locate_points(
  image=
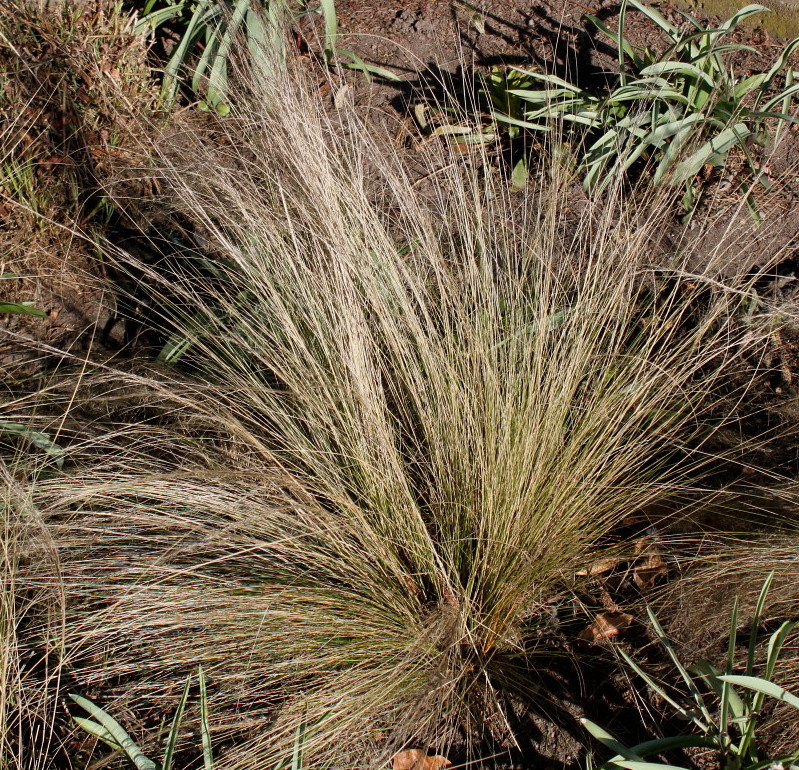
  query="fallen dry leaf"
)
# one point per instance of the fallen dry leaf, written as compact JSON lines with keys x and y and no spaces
{"x":600,"y":566}
{"x":416,"y":759}
{"x":648,"y":569}
{"x":607,"y":625}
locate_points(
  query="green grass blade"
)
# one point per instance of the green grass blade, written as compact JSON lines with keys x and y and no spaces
{"x":621,"y":42}
{"x":787,"y":95}
{"x":662,"y":693}
{"x":686,"y":677}
{"x":730,"y":24}
{"x":726,"y":690}
{"x":205,"y":726}
{"x":755,"y":624}
{"x":172,"y":738}
{"x":657,"y":18}
{"x":710,"y":674}
{"x":775,"y":644}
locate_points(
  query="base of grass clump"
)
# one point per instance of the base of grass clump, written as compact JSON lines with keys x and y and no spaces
{"x":397,"y":428}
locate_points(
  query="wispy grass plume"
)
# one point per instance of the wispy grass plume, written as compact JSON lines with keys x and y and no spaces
{"x":412,"y":407}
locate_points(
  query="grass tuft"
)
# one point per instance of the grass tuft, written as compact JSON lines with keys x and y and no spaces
{"x":408,"y":411}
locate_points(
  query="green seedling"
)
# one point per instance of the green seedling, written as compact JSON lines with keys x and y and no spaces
{"x":36,"y":438}
{"x":211,"y":29}
{"x":678,"y":111}
{"x":107,"y":730}
{"x":724,"y":719}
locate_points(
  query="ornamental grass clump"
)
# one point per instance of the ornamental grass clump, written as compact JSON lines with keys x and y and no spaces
{"x":407,"y":411}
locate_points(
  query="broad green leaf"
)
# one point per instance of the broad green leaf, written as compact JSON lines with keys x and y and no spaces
{"x":552,"y":79}
{"x":174,"y":349}
{"x":762,"y":686}
{"x":519,"y":174}
{"x":678,"y":68}
{"x":21,"y":308}
{"x":521,"y":123}
{"x":620,"y":37}
{"x":749,"y":84}
{"x":262,"y":45}
{"x":203,"y":10}
{"x":718,"y":146}
{"x":39,"y":439}
{"x":328,"y":9}
{"x":98,"y":731}
{"x":633,"y":765}
{"x":117,"y":733}
{"x":543,"y":95}
{"x":673,"y":152}
{"x":155,"y":19}
{"x":660,"y":745}
{"x":710,"y":674}
{"x":609,"y":740}
{"x":217,"y":80}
